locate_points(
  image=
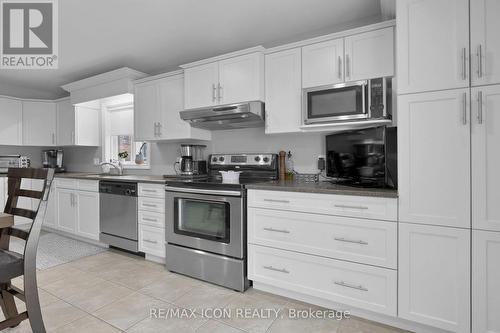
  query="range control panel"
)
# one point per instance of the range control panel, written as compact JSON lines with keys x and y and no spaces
{"x":242,"y":159}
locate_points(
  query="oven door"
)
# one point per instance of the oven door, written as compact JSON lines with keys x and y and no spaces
{"x":340,"y":102}
{"x":212,"y":223}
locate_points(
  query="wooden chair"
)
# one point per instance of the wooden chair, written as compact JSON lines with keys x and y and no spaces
{"x":12,"y":264}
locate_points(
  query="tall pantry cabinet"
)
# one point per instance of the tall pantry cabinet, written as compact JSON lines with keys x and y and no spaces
{"x":449,"y":154}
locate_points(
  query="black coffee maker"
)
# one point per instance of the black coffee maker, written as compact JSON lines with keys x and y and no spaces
{"x":53,"y":158}
{"x":192,"y":160}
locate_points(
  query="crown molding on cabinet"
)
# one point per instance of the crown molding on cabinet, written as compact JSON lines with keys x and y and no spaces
{"x":255,"y":49}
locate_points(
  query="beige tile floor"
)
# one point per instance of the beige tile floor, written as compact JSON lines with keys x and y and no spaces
{"x":114,"y":292}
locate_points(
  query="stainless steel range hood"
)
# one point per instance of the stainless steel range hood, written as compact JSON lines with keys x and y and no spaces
{"x":230,"y":116}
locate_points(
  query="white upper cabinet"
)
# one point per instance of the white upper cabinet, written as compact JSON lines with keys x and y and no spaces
{"x":147,"y":111}
{"x":434,"y":276}
{"x":434,"y":158}
{"x":485,"y":282}
{"x":486,"y":158}
{"x":226,"y":80}
{"x":39,"y":123}
{"x":433,"y":45}
{"x":156,"y":111}
{"x":77,"y":125}
{"x":201,"y":86}
{"x":65,"y":123}
{"x":369,"y":55}
{"x":322,"y":63}
{"x":11,"y":124}
{"x":241,"y":79}
{"x":283,"y":91}
{"x":485,"y":44}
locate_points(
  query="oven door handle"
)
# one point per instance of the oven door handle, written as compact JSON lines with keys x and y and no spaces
{"x":203,"y":191}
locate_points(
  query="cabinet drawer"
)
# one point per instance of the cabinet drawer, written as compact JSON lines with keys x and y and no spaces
{"x":151,"y":190}
{"x":88,"y":185}
{"x":152,"y":240}
{"x":152,"y":219}
{"x":151,"y":204}
{"x":331,"y":204}
{"x":67,"y":183}
{"x":365,"y":287}
{"x":359,"y":240}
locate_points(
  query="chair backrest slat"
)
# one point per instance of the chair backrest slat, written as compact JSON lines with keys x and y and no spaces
{"x":29,"y":194}
{"x":22,"y":212}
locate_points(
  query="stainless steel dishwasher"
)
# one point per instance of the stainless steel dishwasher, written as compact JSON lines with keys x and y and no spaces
{"x":118,"y":214}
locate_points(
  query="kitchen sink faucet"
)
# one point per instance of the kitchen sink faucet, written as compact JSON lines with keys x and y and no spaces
{"x":117,"y":165}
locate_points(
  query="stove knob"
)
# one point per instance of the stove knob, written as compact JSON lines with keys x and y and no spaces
{"x":266,"y":159}
{"x":257,"y":158}
{"x":221,"y":159}
{"x":214,"y":159}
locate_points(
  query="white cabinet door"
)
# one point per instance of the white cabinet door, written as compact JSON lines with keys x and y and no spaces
{"x":283,"y":92}
{"x":200,"y":85}
{"x":434,"y":158}
{"x":87,"y":211}
{"x":50,"y":214}
{"x":323,"y":63}
{"x":172,"y":127}
{"x":369,"y":55}
{"x":3,"y":193}
{"x":39,"y":123}
{"x":434,"y":276}
{"x":87,"y":127}
{"x":485,"y":282}
{"x":147,"y":111}
{"x":485,"y":44}
{"x":65,"y":123}
{"x":486,"y":158}
{"x":11,"y":126}
{"x":432,"y":44}
{"x":66,"y":210}
{"x":241,"y":79}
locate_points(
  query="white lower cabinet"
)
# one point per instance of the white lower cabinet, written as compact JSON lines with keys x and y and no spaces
{"x":3,"y":193}
{"x":359,"y":240}
{"x":485,"y":282}
{"x":77,"y":208}
{"x":362,"y":286}
{"x":151,"y":217}
{"x":434,"y":276}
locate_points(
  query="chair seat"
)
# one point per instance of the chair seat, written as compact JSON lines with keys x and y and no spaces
{"x":11,"y":265}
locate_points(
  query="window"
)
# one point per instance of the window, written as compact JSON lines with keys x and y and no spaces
{"x":119,"y":136}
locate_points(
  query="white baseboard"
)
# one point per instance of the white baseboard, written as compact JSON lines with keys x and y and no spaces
{"x":380,"y":318}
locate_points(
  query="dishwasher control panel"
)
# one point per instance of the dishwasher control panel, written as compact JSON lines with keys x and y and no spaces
{"x":118,"y":188}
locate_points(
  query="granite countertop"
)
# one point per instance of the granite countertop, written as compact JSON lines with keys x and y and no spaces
{"x":323,"y":187}
{"x":156,"y":179}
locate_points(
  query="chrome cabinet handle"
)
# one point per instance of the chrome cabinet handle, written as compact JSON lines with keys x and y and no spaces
{"x":347,"y":64}
{"x":159,"y":129}
{"x":150,"y":191}
{"x":464,"y":64}
{"x":150,"y":220}
{"x":155,"y":129}
{"x":340,"y":67}
{"x":149,"y":205}
{"x":283,"y":231}
{"x":279,"y":201}
{"x":352,"y":286}
{"x":479,"y":107}
{"x":281,"y":270}
{"x":341,"y":239}
{"x":73,"y":137}
{"x":219,"y":91}
{"x":53,"y":138}
{"x":150,"y":241}
{"x":464,"y":108}
{"x":214,"y":93}
{"x":351,"y":207}
{"x":480,"y":61}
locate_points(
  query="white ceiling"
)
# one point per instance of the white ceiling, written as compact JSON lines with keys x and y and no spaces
{"x":155,"y":36}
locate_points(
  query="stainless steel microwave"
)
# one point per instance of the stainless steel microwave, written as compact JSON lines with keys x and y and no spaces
{"x":360,"y":100}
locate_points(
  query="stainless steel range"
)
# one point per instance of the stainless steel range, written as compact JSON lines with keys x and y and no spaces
{"x":206,"y":219}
